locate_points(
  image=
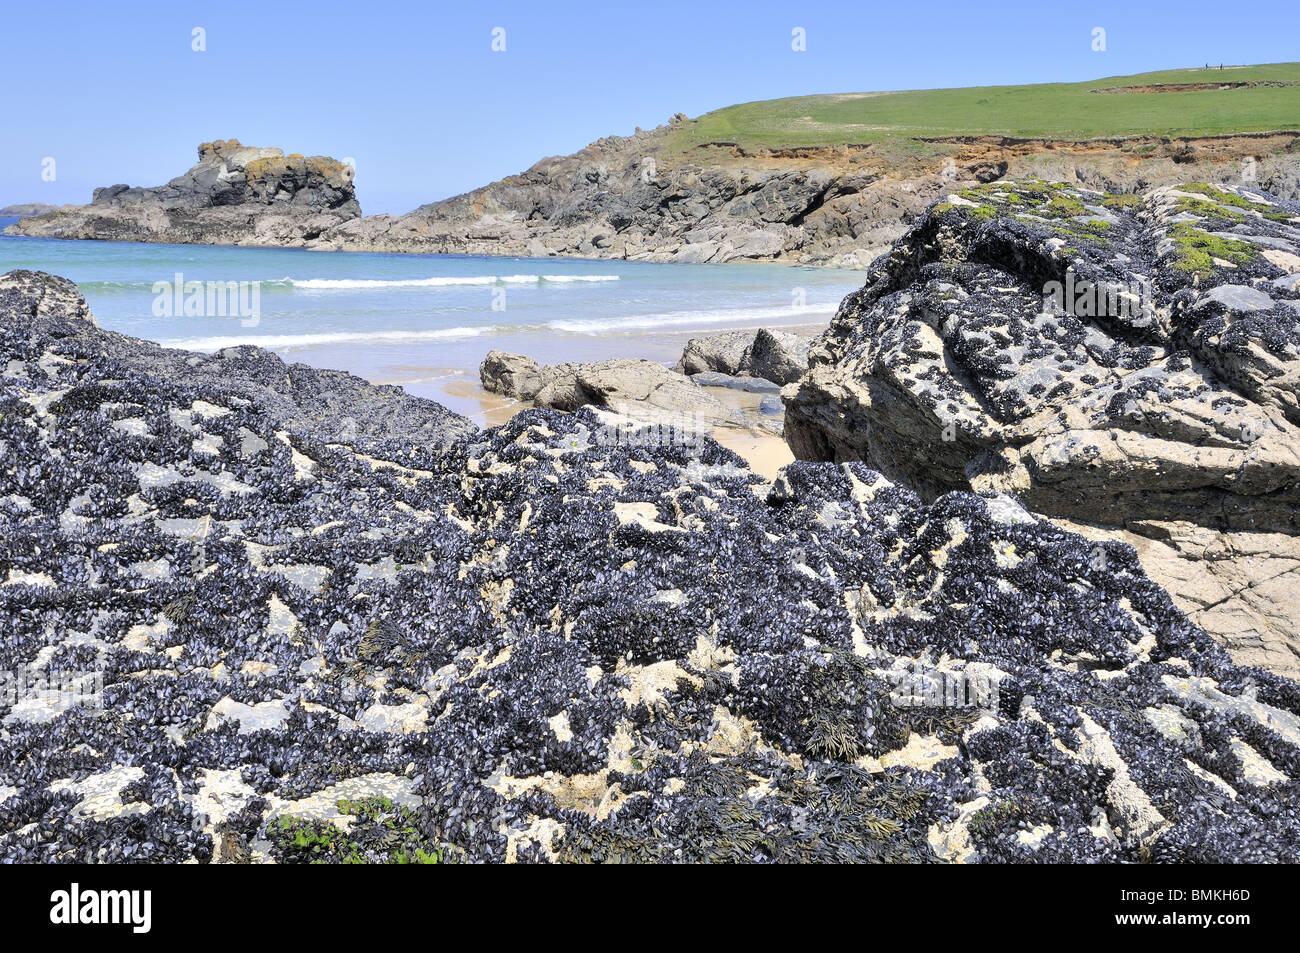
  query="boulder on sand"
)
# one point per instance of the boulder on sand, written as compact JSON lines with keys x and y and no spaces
{"x":773,"y":355}
{"x":635,"y":388}
{"x":513,"y":375}
{"x":777,"y":356}
{"x":721,"y":353}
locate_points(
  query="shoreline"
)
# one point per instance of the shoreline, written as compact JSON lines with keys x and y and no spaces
{"x":578,"y":323}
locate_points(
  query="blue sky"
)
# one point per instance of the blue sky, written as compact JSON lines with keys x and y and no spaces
{"x":414,"y":93}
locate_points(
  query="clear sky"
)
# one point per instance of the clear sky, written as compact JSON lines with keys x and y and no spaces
{"x":114,"y":92}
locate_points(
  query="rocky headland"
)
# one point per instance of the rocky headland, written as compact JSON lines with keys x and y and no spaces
{"x":643,"y":197}
{"x":234,"y":195}
{"x":634,"y":197}
{"x":291,"y":616}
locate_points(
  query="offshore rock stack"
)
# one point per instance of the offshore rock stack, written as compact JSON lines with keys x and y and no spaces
{"x":234,"y":195}
{"x":543,"y":642}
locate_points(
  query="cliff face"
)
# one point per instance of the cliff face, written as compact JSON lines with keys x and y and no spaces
{"x":623,"y":198}
{"x":564,"y":639}
{"x":636,"y":197}
{"x":1128,"y":363}
{"x":631,"y":197}
{"x":234,"y":194}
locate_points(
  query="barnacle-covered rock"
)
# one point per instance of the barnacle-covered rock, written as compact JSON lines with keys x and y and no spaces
{"x":234,"y":635}
{"x":1127,"y":362}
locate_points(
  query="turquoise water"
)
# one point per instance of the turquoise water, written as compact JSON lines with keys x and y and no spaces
{"x":425,"y":320}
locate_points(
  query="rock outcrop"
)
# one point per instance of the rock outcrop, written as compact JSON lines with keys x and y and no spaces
{"x":770,"y":354}
{"x":558,"y":640}
{"x":634,"y":197}
{"x":753,"y":385}
{"x":234,"y":195}
{"x":635,"y":388}
{"x":721,"y":353}
{"x":778,"y":356}
{"x":1128,"y":363}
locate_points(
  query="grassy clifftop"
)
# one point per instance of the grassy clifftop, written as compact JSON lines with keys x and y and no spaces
{"x":1189,"y":102}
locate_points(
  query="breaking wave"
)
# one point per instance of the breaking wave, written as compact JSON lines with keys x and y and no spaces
{"x":446,"y":281}
{"x":277,"y":342}
{"x":740,"y":317}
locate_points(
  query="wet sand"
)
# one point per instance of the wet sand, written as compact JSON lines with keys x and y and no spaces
{"x":766,"y":454}
{"x":465,"y":395}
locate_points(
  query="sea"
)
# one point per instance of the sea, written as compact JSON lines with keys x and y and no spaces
{"x":424,"y":322}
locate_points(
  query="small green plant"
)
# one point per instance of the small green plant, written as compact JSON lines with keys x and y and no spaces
{"x":1063,"y":206}
{"x":1204,"y":209}
{"x":1221,"y":196}
{"x":978,"y":213}
{"x":1195,"y":250}
{"x":1094,"y":231}
{"x":1121,"y":202}
{"x":380,"y":833}
{"x":1234,"y":202}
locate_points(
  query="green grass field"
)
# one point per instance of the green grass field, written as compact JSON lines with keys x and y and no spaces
{"x":1054,"y":110}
